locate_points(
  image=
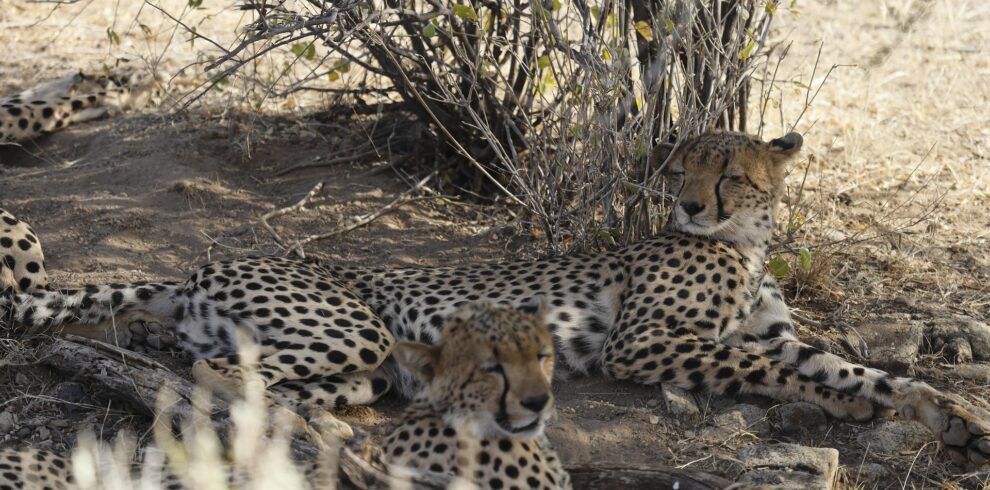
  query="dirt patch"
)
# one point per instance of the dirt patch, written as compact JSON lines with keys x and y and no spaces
{"x":898,"y":176}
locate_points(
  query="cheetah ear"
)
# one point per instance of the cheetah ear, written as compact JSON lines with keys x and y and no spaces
{"x":785,"y":147}
{"x":417,"y":357}
{"x":661,"y":153}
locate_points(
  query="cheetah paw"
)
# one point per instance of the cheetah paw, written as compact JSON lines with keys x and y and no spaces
{"x":229,"y":386}
{"x":961,"y":428}
{"x":967,"y":437}
{"x":331,"y":427}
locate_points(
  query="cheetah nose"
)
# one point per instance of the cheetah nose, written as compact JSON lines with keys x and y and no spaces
{"x":692,"y":208}
{"x":536,"y":402}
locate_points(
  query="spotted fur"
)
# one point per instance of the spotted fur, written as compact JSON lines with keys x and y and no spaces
{"x":693,"y":307}
{"x":485,"y":400}
{"x":77,"y":98}
{"x":22,"y":263}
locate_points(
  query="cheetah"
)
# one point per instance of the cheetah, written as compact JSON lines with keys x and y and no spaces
{"x":693,"y":307}
{"x":22,"y":262}
{"x":485,"y":400}
{"x":76,"y":98}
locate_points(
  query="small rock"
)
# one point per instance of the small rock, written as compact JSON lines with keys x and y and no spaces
{"x":942,"y":333}
{"x":70,"y":392}
{"x":893,"y":344}
{"x":975,"y":372}
{"x":21,"y":379}
{"x":7,"y":422}
{"x":652,"y":403}
{"x":893,"y":436}
{"x":735,"y":421}
{"x":958,"y":350}
{"x":800,"y":417}
{"x":788,"y":466}
{"x":654,"y":420}
{"x":680,"y":402}
{"x":23,"y":432}
{"x":44,"y":433}
{"x":753,"y":418}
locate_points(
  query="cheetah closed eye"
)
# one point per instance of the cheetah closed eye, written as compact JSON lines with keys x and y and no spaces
{"x":693,"y":307}
{"x":486,"y":397}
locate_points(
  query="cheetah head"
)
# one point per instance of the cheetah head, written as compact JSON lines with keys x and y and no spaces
{"x":490,"y":374}
{"x":727,"y":185}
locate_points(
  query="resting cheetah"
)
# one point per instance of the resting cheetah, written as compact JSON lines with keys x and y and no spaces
{"x":692,"y":307}
{"x":22,"y":263}
{"x":76,"y":98}
{"x":486,"y":398}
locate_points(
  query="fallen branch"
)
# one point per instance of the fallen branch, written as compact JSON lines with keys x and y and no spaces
{"x":269,"y":215}
{"x":290,"y":209}
{"x":327,"y":163}
{"x":594,"y":477}
{"x":364,"y":219}
{"x":138,"y":379}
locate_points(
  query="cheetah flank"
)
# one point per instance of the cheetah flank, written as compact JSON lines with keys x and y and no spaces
{"x":22,"y":263}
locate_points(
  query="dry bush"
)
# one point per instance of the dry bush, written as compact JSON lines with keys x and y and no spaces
{"x":550,"y":107}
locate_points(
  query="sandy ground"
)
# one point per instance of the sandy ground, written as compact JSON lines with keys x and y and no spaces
{"x":897,"y":172}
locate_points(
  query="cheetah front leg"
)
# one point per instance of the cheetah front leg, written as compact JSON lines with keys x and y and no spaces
{"x":679,"y":357}
{"x":961,"y":428}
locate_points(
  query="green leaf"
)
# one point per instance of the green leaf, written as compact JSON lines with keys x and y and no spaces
{"x":748,"y":50}
{"x":543,"y":61}
{"x":465,"y":12}
{"x":605,"y":235}
{"x":114,"y":38}
{"x":796,"y":222}
{"x":429,"y":30}
{"x":195,"y":3}
{"x":771,"y":7}
{"x":779,"y":267}
{"x":644,"y":30}
{"x":304,"y":50}
{"x":805,"y":255}
{"x":333,"y":76}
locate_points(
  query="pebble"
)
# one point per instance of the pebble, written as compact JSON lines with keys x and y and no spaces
{"x":801,"y":417}
{"x":894,"y":436}
{"x":7,"y":422}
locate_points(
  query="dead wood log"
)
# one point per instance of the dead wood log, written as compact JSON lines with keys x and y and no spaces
{"x":138,"y":379}
{"x":605,"y":477}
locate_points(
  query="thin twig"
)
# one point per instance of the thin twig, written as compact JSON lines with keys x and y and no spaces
{"x":364,"y":219}
{"x":289,"y":209}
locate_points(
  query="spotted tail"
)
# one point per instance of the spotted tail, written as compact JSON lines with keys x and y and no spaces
{"x":86,"y":305}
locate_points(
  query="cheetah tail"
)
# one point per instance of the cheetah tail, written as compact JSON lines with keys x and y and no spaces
{"x":86,"y":305}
